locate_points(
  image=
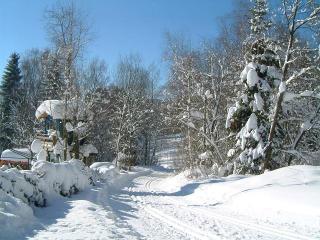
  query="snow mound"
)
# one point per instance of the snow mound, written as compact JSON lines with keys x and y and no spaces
{"x":65,"y":178}
{"x":104,"y":170}
{"x":45,"y":181}
{"x":15,"y":215}
{"x":293,"y":191}
{"x":23,"y":185}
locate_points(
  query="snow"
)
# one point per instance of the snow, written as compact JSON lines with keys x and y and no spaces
{"x":231,"y":152}
{"x":105,"y":170}
{"x":275,"y":194}
{"x":19,"y":154}
{"x":252,"y":78}
{"x":42,"y":155}
{"x":57,"y":109}
{"x":36,"y":146}
{"x":190,"y":124}
{"x":244,"y":73}
{"x":15,"y":217}
{"x":205,"y":156}
{"x":45,"y":181}
{"x":208,"y":94}
{"x":251,"y":123}
{"x":289,"y":96}
{"x":87,"y":149}
{"x":282,"y":87}
{"x":196,"y":114}
{"x":24,"y":185}
{"x":64,"y":178}
{"x":258,"y":102}
{"x":306,"y":125}
{"x":231,"y":111}
{"x":156,"y":204}
{"x":54,"y":108}
{"x":69,"y":127}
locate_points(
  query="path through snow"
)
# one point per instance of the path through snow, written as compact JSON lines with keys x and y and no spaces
{"x":146,"y":204}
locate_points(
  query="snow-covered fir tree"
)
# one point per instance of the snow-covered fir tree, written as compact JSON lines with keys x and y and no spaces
{"x":250,"y":115}
{"x":9,"y":93}
{"x":259,"y":23}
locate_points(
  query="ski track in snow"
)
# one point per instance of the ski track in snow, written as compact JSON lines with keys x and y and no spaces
{"x":225,"y":227}
{"x":141,"y":211}
{"x":138,"y":208}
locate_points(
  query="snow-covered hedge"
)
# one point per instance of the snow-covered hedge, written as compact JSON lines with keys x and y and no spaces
{"x":64,"y":178}
{"x":23,"y":185}
{"x":14,"y":216}
{"x":46,"y":180}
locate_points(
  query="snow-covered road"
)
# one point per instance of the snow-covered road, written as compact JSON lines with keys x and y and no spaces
{"x":157,"y":204}
{"x":184,"y":220}
{"x":138,"y":208}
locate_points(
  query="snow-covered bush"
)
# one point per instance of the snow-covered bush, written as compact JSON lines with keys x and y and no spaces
{"x":14,"y":214}
{"x":45,"y":181}
{"x":64,"y":178}
{"x":104,"y":170}
{"x":23,"y":185}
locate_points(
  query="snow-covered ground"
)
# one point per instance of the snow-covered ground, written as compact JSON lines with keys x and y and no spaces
{"x":156,"y":203}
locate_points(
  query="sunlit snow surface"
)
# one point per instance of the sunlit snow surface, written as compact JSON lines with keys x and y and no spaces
{"x":157,"y":203}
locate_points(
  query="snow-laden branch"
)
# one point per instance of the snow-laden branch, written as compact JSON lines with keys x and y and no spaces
{"x":299,"y":74}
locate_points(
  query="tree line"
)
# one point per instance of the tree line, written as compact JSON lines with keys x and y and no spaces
{"x":244,"y":102}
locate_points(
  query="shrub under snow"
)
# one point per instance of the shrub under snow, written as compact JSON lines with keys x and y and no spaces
{"x":14,"y":214}
{"x":64,"y":178}
{"x":45,"y":181}
{"x":23,"y":185}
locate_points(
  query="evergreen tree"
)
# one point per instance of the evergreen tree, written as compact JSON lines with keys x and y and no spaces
{"x":9,"y":94}
{"x":250,"y":115}
{"x":259,"y":22}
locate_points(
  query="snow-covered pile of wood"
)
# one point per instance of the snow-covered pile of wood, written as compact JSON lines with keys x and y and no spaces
{"x":45,"y":181}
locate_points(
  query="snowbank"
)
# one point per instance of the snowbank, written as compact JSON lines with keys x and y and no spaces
{"x":15,"y":216}
{"x":64,"y":178}
{"x":291,"y":191}
{"x":115,"y":178}
{"x":23,"y":185}
{"x":45,"y":181}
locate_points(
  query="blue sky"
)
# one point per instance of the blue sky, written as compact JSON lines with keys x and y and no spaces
{"x":120,"y":27}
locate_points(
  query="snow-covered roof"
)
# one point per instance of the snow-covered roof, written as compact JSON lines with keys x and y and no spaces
{"x":54,"y":108}
{"x":57,"y":110}
{"x":16,"y":154}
